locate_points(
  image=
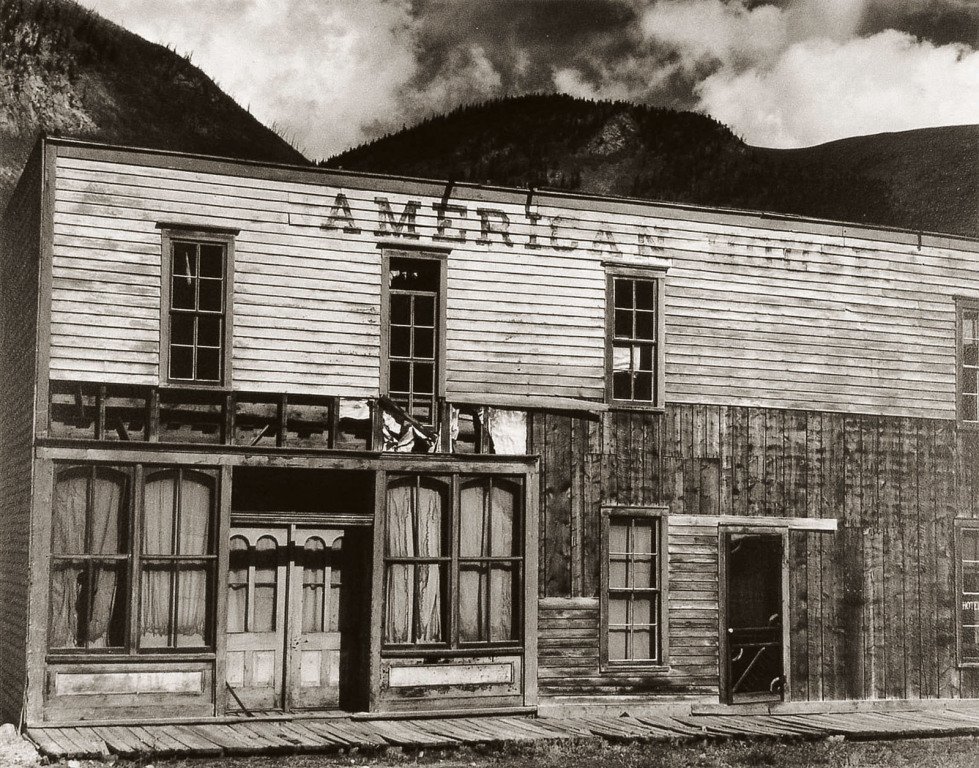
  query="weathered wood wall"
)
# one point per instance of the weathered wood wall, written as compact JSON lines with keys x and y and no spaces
{"x":759,"y":311}
{"x":872,"y":605}
{"x":20,"y":232}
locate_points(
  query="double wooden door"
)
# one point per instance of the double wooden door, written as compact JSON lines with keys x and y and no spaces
{"x":292,"y":620}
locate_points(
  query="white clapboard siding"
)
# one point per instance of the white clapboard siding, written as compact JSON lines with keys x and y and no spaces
{"x":759,"y":310}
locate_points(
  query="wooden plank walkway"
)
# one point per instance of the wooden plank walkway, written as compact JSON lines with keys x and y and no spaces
{"x":261,"y":736}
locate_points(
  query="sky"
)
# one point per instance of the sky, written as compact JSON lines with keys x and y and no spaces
{"x":332,"y":74}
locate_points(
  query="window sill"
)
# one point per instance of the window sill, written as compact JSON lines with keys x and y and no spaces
{"x":625,"y":405}
{"x":652,"y":669}
{"x":430,"y":652}
{"x":122,"y":657}
{"x":967,"y":426}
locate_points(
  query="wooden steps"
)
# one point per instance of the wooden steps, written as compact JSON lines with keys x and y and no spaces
{"x":281,"y":735}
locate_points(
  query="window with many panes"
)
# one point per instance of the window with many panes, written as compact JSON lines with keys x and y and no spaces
{"x":635,"y":337}
{"x":413,"y":315}
{"x":968,"y":589}
{"x":124,"y":583}
{"x":453,"y":561}
{"x":195,"y":305}
{"x":633,"y":587}
{"x":968,"y":361}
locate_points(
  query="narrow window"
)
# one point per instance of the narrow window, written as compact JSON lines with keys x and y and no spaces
{"x":413,"y":316}
{"x":968,"y":360}
{"x":238,"y":584}
{"x":314,"y":585}
{"x":489,"y":562}
{"x":196,"y":312}
{"x":635,"y":338}
{"x":416,"y":561}
{"x":968,"y":595}
{"x":632,"y":598}
{"x":90,"y":557}
{"x":178,"y":561}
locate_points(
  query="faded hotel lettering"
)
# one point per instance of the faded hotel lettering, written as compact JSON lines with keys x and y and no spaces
{"x":490,"y":226}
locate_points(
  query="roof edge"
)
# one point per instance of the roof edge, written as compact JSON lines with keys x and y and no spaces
{"x":500,"y":193}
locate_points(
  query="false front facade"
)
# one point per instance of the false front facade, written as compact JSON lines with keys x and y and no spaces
{"x":284,"y":439}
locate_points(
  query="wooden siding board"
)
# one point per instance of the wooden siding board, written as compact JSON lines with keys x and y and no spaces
{"x":20,"y":249}
{"x":871,"y":610}
{"x":827,"y":318}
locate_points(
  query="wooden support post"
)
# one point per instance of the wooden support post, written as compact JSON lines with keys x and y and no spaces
{"x":228,"y":425}
{"x":100,"y":413}
{"x":153,"y":415}
{"x":280,"y":437}
{"x":334,"y":426}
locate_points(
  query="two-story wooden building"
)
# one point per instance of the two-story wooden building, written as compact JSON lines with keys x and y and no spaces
{"x":289,"y":439}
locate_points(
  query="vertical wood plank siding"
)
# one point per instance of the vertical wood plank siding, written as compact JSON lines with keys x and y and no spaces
{"x":754,"y":316}
{"x":872,"y":605}
{"x":19,"y":252}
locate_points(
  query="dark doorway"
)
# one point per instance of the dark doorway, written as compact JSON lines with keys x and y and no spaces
{"x":752,"y":641}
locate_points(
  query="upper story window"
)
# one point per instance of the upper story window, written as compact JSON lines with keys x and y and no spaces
{"x":635,"y":337}
{"x":196,"y":298}
{"x":414,"y":328}
{"x":968,"y":361}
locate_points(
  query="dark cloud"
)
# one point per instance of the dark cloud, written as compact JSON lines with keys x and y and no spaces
{"x":525,"y":40}
{"x":939,"y":21}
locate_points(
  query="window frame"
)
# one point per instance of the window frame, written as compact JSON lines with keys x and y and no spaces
{"x":453,"y":645}
{"x":137,"y":474}
{"x":661,"y":514}
{"x":657,"y":276}
{"x":90,"y":472}
{"x":208,"y":563}
{"x":213,"y":236}
{"x":962,"y":525}
{"x":441,"y":258}
{"x":962,"y":305}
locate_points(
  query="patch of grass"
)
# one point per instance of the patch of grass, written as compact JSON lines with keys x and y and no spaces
{"x":962,"y":752}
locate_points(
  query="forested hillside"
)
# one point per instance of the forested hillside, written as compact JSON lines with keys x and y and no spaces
{"x":926,"y":179}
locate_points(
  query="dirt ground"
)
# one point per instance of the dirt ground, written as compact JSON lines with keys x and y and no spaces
{"x":962,"y":752}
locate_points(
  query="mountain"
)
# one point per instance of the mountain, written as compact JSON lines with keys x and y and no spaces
{"x":925,"y":179}
{"x":66,"y":70}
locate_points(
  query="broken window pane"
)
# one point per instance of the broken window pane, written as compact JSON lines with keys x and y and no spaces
{"x":424,"y":343}
{"x":210,"y":295}
{"x":623,"y":294}
{"x":183,"y":294}
{"x":400,"y":341}
{"x":212,"y":260}
{"x":182,"y":329}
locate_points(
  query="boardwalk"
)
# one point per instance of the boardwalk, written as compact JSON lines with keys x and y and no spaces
{"x":332,"y":735}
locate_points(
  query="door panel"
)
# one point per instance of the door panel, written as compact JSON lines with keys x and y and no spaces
{"x":256,"y":627}
{"x":317,"y":583}
{"x":293,"y":632}
{"x":753,"y":641}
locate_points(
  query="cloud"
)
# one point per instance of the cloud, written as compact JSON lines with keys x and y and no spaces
{"x":327,"y":75}
{"x":330,"y":74}
{"x":818,"y":90}
{"x":797,"y":73}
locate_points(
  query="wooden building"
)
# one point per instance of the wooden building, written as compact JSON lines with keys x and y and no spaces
{"x":280,"y":438}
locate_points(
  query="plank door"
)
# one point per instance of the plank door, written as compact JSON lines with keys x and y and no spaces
{"x":753,"y":643}
{"x":315,"y":641}
{"x":256,"y":628}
